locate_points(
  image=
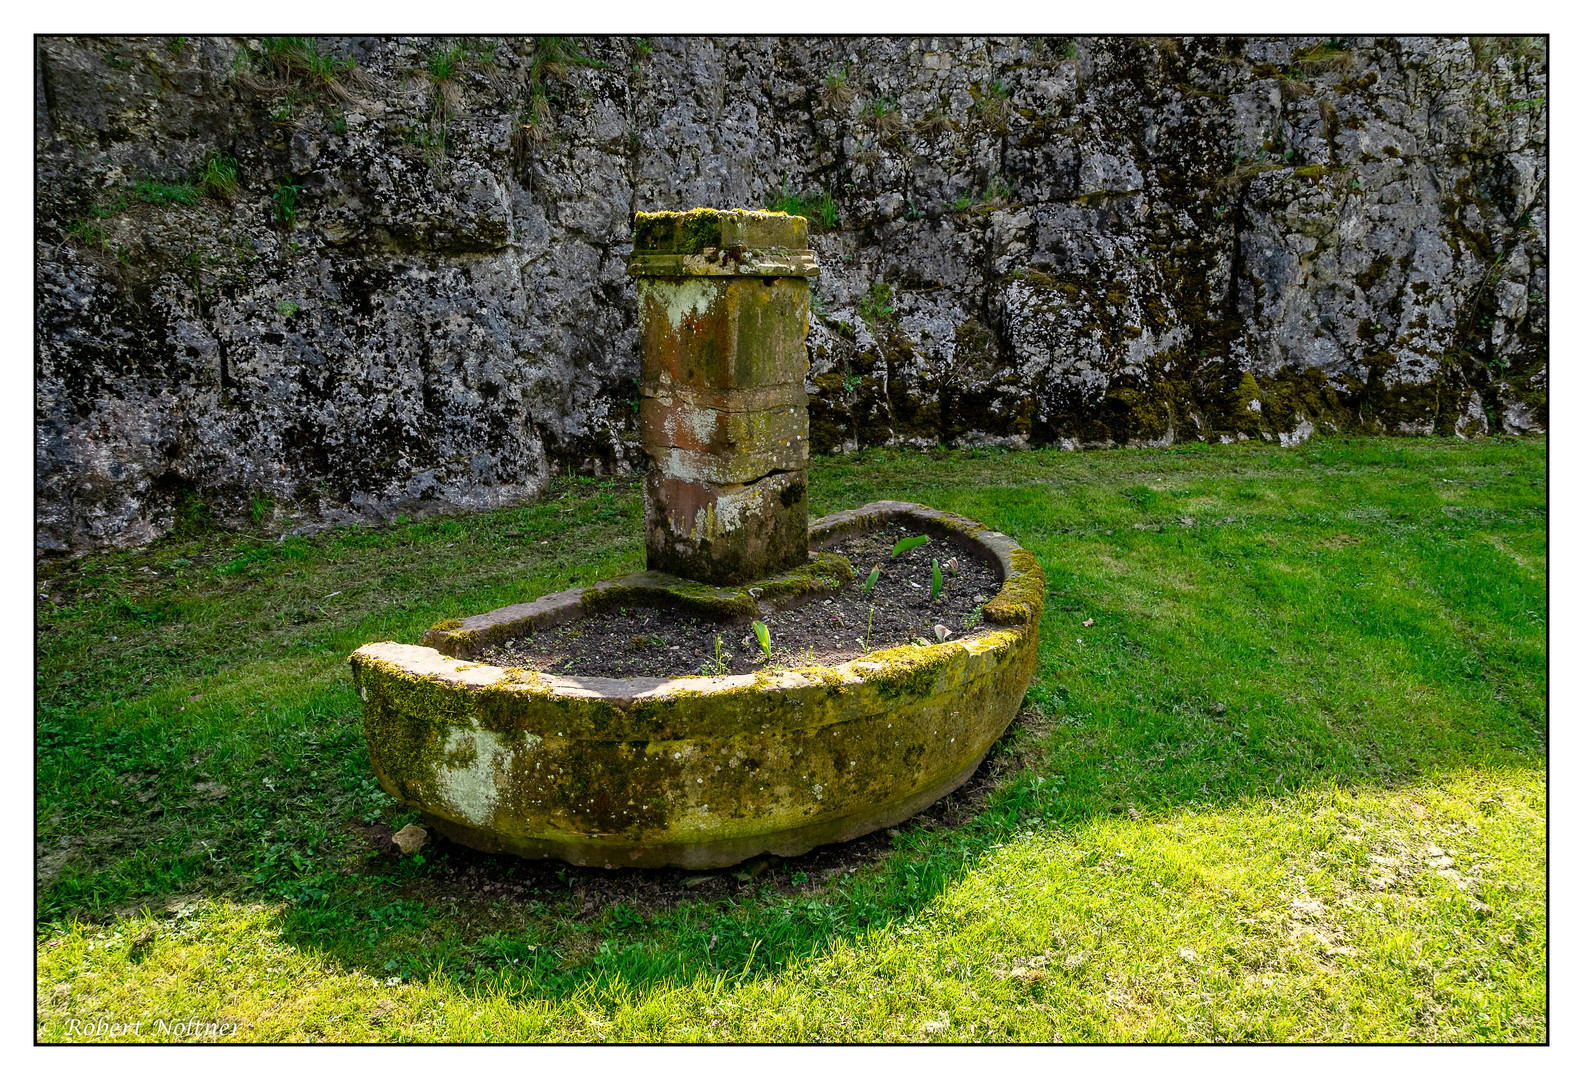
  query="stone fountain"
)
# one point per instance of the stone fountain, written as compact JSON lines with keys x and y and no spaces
{"x":703,"y":771}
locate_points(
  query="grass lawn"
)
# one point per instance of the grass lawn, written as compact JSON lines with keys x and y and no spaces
{"x":1280,"y":776}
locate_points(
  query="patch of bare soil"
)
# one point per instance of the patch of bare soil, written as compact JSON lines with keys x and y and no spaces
{"x":900,"y":609}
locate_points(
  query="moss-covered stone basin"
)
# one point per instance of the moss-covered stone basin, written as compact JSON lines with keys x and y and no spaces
{"x":697,"y":771}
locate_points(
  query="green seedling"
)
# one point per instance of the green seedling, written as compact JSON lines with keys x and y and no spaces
{"x":873,"y":576}
{"x":939,"y":580}
{"x":762,"y":632}
{"x":877,"y":305}
{"x":718,"y":666}
{"x":908,"y":544}
{"x":868,"y":635}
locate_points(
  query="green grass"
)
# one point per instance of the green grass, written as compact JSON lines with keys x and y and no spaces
{"x":89,"y":232}
{"x":881,"y":112}
{"x":300,"y":59}
{"x":218,"y":176}
{"x":445,"y":61}
{"x":996,"y":193}
{"x":163,"y":193}
{"x":551,"y":57}
{"x":818,"y":207}
{"x":1287,"y":784}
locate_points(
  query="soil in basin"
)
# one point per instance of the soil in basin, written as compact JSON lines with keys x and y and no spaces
{"x":656,"y":642}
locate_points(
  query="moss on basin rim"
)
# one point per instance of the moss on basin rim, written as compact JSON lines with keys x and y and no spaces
{"x":702,"y":771}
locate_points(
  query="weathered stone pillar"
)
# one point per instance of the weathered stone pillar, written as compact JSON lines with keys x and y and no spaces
{"x":723,"y":310}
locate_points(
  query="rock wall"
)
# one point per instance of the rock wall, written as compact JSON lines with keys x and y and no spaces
{"x":416,"y":296}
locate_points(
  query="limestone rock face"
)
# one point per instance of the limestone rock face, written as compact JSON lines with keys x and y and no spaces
{"x":416,"y":297}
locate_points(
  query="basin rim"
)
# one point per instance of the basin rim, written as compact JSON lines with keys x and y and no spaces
{"x":1018,"y":602}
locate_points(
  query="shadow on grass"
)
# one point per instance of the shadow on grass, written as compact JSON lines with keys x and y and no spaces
{"x":1210,"y":637}
{"x":549,"y":929}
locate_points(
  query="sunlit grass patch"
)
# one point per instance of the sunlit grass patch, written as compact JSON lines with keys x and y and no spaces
{"x":1280,"y":777}
{"x":1414,"y":914}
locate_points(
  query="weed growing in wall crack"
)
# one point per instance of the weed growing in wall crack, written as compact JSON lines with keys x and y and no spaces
{"x":838,"y":89}
{"x":445,"y":61}
{"x":883,"y":114}
{"x":482,"y":51}
{"x":300,"y":60}
{"x":993,"y":106}
{"x":90,"y":232}
{"x":283,"y":203}
{"x":218,"y":177}
{"x":164,"y":193}
{"x":818,"y":207}
{"x":552,"y":59}
{"x":876,"y":304}
{"x":934,"y":121}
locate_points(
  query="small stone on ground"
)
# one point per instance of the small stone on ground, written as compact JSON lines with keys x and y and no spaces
{"x":410,"y":839}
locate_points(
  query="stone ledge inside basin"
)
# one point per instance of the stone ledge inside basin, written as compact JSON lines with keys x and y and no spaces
{"x":822,"y":575}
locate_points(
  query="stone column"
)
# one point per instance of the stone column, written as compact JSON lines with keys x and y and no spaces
{"x":723,"y":310}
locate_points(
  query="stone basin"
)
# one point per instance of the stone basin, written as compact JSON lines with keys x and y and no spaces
{"x":697,"y":771}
